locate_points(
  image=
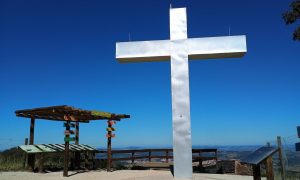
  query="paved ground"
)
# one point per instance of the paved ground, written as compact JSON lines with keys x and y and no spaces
{"x":116,"y":175}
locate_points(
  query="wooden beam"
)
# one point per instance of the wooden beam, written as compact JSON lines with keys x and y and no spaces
{"x":50,"y":108}
{"x":282,"y":168}
{"x":31,"y":136}
{"x":77,"y":154}
{"x":31,"y":157}
{"x":66,"y":154}
{"x":256,"y":172}
{"x":109,"y":148}
{"x":58,"y":112}
{"x":269,"y":168}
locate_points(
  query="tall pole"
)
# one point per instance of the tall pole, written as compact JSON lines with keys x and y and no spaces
{"x":77,"y":154}
{"x":66,"y":157}
{"x":282,"y":168}
{"x":31,"y":157}
{"x":109,"y":146}
{"x":269,"y":166}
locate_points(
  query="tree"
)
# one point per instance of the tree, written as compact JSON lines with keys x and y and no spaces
{"x":292,"y":16}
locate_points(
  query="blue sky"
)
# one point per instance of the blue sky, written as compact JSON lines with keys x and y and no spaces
{"x":63,"y":52}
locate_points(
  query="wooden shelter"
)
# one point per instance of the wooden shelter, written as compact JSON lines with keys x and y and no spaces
{"x":71,"y":117}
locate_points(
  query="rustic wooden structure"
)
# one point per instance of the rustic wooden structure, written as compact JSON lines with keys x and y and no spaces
{"x":43,"y":149}
{"x":72,"y":117}
{"x":260,"y":156}
{"x":199,"y":155}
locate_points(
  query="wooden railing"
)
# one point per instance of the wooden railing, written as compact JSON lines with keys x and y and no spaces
{"x":199,"y":155}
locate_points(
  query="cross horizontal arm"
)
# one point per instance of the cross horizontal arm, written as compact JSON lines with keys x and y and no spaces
{"x":217,"y":47}
{"x":198,"y":48}
{"x":143,"y":51}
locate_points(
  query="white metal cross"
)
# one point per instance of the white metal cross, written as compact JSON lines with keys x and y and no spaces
{"x":179,"y":49}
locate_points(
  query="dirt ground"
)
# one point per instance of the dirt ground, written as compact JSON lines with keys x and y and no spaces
{"x":116,"y":175}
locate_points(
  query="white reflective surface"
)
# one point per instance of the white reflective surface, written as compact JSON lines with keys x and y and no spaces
{"x":198,"y":48}
{"x":179,"y":49}
{"x":182,"y":143}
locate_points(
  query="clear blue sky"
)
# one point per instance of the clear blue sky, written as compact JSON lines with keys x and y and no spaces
{"x":63,"y":52}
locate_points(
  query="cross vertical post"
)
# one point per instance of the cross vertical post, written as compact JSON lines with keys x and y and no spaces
{"x":182,"y":144}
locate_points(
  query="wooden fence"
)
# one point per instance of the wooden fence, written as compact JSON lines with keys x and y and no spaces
{"x":199,"y":155}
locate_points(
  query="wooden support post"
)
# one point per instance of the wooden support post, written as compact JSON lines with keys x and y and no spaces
{"x":200,"y":162}
{"x":282,"y":168}
{"x":77,"y":133}
{"x":66,"y":157}
{"x":167,"y":156}
{"x":109,"y":147}
{"x":31,"y":137}
{"x":31,"y":157}
{"x":77,"y":154}
{"x":149,"y":156}
{"x":269,"y":168}
{"x":132,"y":157}
{"x":256,"y":172}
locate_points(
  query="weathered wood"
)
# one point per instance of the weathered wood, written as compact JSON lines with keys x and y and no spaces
{"x":269,"y":168}
{"x":109,"y":149}
{"x":167,"y":156}
{"x":200,"y":161}
{"x":74,"y":114}
{"x":31,"y":157}
{"x":195,"y":159}
{"x":132,"y":157}
{"x":31,"y":137}
{"x":77,"y":154}
{"x":149,"y":156}
{"x":66,"y":155}
{"x":256,"y":172}
{"x":282,"y":168}
{"x":77,"y":133}
{"x":155,"y":150}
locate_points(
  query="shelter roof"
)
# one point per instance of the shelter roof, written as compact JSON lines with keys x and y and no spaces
{"x":68,"y":113}
{"x":259,"y":155}
{"x":48,"y":148}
